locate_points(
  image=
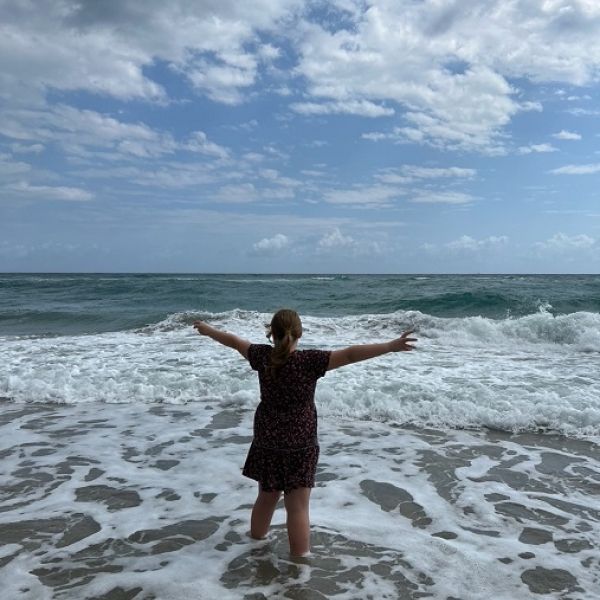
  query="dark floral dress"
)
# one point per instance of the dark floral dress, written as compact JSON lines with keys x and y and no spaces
{"x":285,"y":448}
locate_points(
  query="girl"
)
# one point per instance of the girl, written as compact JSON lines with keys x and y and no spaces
{"x":284,"y":452}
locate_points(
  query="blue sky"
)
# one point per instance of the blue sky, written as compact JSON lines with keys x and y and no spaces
{"x":300,"y":136}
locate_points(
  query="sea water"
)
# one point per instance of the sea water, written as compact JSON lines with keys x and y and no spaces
{"x":468,"y":468}
{"x":510,"y":352}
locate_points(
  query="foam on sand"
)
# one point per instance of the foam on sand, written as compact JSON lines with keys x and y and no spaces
{"x":112,"y":501}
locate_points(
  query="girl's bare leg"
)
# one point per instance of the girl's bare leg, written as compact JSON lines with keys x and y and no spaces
{"x":298,"y":520}
{"x":262,"y":513}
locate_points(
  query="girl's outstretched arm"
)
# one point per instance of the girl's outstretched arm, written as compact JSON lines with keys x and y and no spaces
{"x":227,"y":339}
{"x":352,"y":354}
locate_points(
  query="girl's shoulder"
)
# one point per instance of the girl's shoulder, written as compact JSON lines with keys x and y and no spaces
{"x":258,"y":354}
{"x":314,"y":360}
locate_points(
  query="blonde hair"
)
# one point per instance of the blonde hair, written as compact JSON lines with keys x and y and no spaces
{"x":285,"y":329}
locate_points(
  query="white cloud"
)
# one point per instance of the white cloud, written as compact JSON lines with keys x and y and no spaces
{"x":271,"y":246}
{"x":199,"y":142}
{"x":47,"y":192}
{"x":446,"y":66}
{"x":169,"y":175}
{"x":27,"y":148}
{"x":588,"y":169}
{"x":10,"y":167}
{"x":90,"y":134}
{"x":275,"y":177}
{"x":583,"y":112}
{"x":277,"y":193}
{"x":468,"y":244}
{"x":537,"y":148}
{"x":392,"y":177}
{"x":362,"y":108}
{"x":237,"y":193}
{"x":222,"y":83}
{"x":410,"y":173}
{"x":375,"y":136}
{"x":437,"y":172}
{"x":561,"y":242}
{"x":566,"y":135}
{"x":106,"y":48}
{"x":449,"y":65}
{"x":253,"y":157}
{"x":441,"y":197}
{"x":246,"y":126}
{"x":334,"y":242}
{"x":313,"y":173}
{"x":8,"y":250}
{"x":335,"y":239}
{"x":268,"y":52}
{"x":364,"y":196}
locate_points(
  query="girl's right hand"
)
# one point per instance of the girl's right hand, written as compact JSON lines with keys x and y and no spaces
{"x":403,"y":343}
{"x":201,"y":327}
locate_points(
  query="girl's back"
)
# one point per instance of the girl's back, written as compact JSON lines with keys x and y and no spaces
{"x":286,"y":417}
{"x":295,"y":381}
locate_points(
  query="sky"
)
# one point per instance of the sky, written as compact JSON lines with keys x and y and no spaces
{"x":288,"y":136}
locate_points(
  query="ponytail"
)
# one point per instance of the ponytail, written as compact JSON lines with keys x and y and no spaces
{"x":285,"y":329}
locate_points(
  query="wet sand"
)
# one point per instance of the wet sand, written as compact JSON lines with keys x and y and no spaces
{"x":122,"y":501}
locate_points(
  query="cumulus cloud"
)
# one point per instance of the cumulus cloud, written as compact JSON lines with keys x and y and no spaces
{"x":223,"y":83}
{"x":444,"y":70}
{"x":566,"y":135}
{"x":335,"y":239}
{"x":449,"y":67}
{"x":537,"y":148}
{"x":561,"y":242}
{"x":588,"y":169}
{"x":271,"y":246}
{"x":362,"y":108}
{"x":469,"y":244}
{"x":334,"y":242}
{"x":107,"y":47}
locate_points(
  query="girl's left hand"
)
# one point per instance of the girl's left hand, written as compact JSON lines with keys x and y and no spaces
{"x":403,"y":343}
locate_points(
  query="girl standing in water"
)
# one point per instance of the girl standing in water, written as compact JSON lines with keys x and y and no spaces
{"x":285,"y":450}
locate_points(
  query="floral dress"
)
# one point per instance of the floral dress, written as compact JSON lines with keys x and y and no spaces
{"x":285,"y":448}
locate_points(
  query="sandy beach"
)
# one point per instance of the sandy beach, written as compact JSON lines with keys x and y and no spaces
{"x":123,"y":501}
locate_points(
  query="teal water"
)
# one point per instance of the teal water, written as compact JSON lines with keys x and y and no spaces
{"x":504,"y":351}
{"x":57,"y":304}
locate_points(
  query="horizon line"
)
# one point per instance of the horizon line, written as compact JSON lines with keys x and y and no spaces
{"x":275,"y":274}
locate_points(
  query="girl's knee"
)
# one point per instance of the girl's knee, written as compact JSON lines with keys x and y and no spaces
{"x":270,"y":497}
{"x":297,"y":500}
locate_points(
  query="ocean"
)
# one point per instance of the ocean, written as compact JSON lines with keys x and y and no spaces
{"x":509,"y":352}
{"x":466,"y":468}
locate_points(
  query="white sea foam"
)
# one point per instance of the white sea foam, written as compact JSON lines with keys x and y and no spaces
{"x":364,"y":542}
{"x":538,"y":371}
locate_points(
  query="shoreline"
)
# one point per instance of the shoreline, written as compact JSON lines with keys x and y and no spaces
{"x":119,"y":501}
